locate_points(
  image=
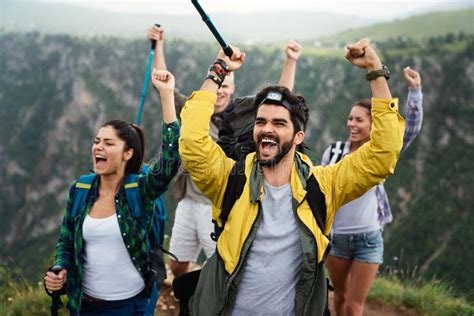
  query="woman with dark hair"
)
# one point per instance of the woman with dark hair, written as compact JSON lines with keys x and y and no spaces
{"x":356,"y":236}
{"x":102,"y":251}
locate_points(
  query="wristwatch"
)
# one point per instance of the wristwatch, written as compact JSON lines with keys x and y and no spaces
{"x":384,"y":72}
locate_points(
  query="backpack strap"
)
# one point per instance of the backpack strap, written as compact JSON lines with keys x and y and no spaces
{"x":133,"y":195}
{"x":233,"y":191}
{"x":81,"y":191}
{"x":336,"y":151}
{"x":158,"y":221}
{"x":317,"y":203}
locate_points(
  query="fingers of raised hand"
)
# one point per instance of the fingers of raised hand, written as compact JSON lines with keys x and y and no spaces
{"x":236,"y":60}
{"x":160,"y":75}
{"x":359,"y":49}
{"x":293,"y":49}
{"x":294,"y":46}
{"x":236,"y":53}
{"x":354,"y":51}
{"x":410,"y":72}
{"x":155,"y":33}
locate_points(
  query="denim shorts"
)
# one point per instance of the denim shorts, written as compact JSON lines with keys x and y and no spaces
{"x":363,"y":247}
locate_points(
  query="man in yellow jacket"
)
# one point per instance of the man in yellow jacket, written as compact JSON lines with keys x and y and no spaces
{"x":270,"y":254}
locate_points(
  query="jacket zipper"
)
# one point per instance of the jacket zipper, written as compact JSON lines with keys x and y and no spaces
{"x":305,"y":307}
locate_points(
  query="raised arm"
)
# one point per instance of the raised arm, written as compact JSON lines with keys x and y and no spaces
{"x":363,"y":55}
{"x":376,"y":159}
{"x":293,"y":52}
{"x":164,"y":82}
{"x":414,"y":107}
{"x":158,"y":34}
{"x":205,"y":161}
{"x":162,"y":170}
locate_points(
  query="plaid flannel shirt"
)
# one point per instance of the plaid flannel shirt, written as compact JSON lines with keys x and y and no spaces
{"x":69,"y":249}
{"x":413,"y":121}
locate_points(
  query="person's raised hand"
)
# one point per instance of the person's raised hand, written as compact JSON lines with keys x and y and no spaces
{"x":363,"y":55}
{"x":293,"y":50}
{"x":156,"y":33}
{"x":163,"y":80}
{"x":235,"y":61}
{"x":412,"y":77}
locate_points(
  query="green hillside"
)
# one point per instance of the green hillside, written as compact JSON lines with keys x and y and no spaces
{"x":55,"y":91}
{"x":416,"y":27}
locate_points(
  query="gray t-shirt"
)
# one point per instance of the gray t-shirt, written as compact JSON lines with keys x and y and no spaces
{"x":274,"y":261}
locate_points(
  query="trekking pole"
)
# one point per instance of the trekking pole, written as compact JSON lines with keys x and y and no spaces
{"x":227,"y":50}
{"x":147,"y":81}
{"x":56,"y":303}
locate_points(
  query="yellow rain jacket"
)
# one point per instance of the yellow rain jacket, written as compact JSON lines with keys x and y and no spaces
{"x":340,"y":183}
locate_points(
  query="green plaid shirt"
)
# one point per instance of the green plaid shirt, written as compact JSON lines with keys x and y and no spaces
{"x":69,"y":249}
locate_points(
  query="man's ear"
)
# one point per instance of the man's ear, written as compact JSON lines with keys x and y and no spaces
{"x":127,"y":154}
{"x":299,"y":138}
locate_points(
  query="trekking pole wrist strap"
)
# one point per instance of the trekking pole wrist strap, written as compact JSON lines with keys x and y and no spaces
{"x":214,"y":78}
{"x":218,"y":71}
{"x":223,"y":64}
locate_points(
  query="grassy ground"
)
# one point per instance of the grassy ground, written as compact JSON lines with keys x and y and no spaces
{"x":434,"y":298}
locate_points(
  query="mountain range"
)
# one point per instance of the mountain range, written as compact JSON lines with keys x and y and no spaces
{"x":56,"y":90}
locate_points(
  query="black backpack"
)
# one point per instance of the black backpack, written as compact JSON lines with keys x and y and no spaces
{"x":185,"y":285}
{"x":336,"y":152}
{"x":236,"y":132}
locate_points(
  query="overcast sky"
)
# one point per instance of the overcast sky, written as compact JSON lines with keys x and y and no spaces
{"x":383,"y":9}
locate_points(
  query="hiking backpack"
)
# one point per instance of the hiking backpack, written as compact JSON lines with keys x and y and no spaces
{"x":336,"y":152}
{"x":154,"y":225}
{"x":236,"y":132}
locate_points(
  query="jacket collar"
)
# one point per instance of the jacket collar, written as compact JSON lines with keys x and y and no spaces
{"x":300,"y":173}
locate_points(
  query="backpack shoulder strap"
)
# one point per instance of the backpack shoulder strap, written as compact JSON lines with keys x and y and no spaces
{"x":81,"y":191}
{"x":235,"y":186}
{"x":316,"y":201}
{"x":133,"y":194}
{"x":158,"y":221}
{"x":336,"y":151}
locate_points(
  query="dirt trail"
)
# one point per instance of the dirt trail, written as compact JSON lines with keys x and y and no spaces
{"x":168,"y":306}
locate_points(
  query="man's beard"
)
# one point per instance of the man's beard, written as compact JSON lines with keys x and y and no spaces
{"x":282,"y":150}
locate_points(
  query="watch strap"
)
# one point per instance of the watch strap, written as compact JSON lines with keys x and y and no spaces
{"x":384,"y":72}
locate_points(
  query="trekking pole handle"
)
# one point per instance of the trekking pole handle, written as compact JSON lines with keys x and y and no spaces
{"x":55,"y":295}
{"x":55,"y":270}
{"x":225,"y":47}
{"x":153,"y":42}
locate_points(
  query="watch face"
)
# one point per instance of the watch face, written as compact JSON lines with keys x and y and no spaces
{"x":387,"y":72}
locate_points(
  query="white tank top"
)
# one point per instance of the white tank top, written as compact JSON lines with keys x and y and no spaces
{"x":109,"y":273}
{"x":358,"y":216}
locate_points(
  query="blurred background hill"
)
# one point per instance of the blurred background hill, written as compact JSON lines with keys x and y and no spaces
{"x":65,"y":69}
